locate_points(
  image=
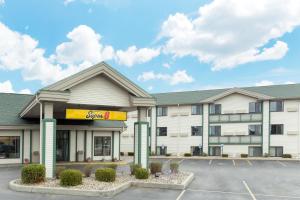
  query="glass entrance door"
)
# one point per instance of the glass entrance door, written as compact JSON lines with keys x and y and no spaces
{"x":62,"y":145}
{"x":215,"y":151}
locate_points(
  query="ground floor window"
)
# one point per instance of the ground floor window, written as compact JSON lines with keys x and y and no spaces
{"x":215,"y":151}
{"x":255,"y":151}
{"x":276,"y":151}
{"x":161,"y":150}
{"x":102,"y":146}
{"x":9,"y":147}
{"x":196,"y":150}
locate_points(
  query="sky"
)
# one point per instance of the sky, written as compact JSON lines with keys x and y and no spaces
{"x":163,"y":46}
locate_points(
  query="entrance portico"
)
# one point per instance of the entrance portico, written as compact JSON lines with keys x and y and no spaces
{"x":97,"y":89}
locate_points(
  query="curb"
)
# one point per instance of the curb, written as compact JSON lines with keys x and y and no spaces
{"x":100,"y":193}
{"x":222,"y":158}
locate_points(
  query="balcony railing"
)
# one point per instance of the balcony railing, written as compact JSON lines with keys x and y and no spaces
{"x":245,"y":139}
{"x":245,"y":117}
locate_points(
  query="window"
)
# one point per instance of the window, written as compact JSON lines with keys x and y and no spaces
{"x":277,"y":129}
{"x":196,"y":150}
{"x":215,"y":109}
{"x":196,"y":130}
{"x":215,"y":151}
{"x":196,"y":109}
{"x":9,"y":147}
{"x":149,"y":112}
{"x":162,"y":111}
{"x":255,"y":151}
{"x":276,"y":106}
{"x":161,"y":150}
{"x":215,"y":131}
{"x":102,"y":146}
{"x":162,"y":131}
{"x":255,"y":107}
{"x":276,"y":151}
{"x":254,"y":129}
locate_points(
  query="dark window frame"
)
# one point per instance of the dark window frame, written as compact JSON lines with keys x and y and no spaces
{"x":103,"y":152}
{"x":255,"y":129}
{"x":213,"y":110}
{"x":164,"y":111}
{"x":257,"y":107}
{"x":194,"y":133}
{"x":159,"y":131}
{"x":214,"y":127}
{"x":276,"y":151}
{"x":198,"y":109}
{"x":276,"y":106}
{"x":276,"y":131}
{"x":7,"y":149}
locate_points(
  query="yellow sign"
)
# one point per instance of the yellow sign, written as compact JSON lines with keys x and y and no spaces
{"x":95,"y":114}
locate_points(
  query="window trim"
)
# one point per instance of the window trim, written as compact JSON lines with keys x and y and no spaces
{"x":20,"y":150}
{"x":201,"y":109}
{"x":276,"y":107}
{"x":256,"y":102}
{"x":110,"y":152}
{"x":275,"y":150}
{"x":162,"y":107}
{"x":213,"y":104}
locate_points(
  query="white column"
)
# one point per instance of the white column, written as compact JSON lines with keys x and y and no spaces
{"x":72,"y":145}
{"x":141,"y":143}
{"x":266,"y":127}
{"x":153,"y":129}
{"x":26,"y":145}
{"x":49,"y":141}
{"x":205,"y":128}
{"x":116,"y":146}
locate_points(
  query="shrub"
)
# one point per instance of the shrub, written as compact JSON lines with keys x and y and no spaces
{"x":168,"y":154}
{"x":244,"y":155}
{"x":204,"y":154}
{"x":141,"y":173}
{"x":88,"y":170}
{"x":112,"y":166}
{"x":105,"y":175}
{"x":130,"y":153}
{"x":70,"y":177}
{"x":33,"y":173}
{"x":286,"y":156}
{"x":133,"y":168}
{"x":155,"y":167}
{"x":58,"y":171}
{"x":266,"y":155}
{"x":187,"y":154}
{"x":225,"y":155}
{"x":121,"y":153}
{"x":174,"y":166}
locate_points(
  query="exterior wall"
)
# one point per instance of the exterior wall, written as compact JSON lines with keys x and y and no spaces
{"x":127,"y":135}
{"x":228,"y":129}
{"x":179,"y":122}
{"x":35,"y":146}
{"x":99,"y":91}
{"x":290,"y":118}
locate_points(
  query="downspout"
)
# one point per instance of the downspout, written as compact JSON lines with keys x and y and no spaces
{"x":41,"y":125}
{"x":178,"y":132}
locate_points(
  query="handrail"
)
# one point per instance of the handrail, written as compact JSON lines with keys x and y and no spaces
{"x":238,"y":139}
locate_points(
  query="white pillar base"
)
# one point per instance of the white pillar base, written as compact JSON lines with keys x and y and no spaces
{"x":141,"y":144}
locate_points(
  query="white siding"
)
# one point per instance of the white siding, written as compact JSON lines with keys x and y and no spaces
{"x":35,"y":146}
{"x":99,"y":91}
{"x":127,"y":135}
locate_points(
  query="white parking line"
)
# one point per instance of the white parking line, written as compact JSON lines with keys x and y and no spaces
{"x":180,"y":195}
{"x":250,"y":163}
{"x":281,"y":163}
{"x":233,"y":163}
{"x":210,"y":162}
{"x":250,"y":192}
{"x":181,"y":161}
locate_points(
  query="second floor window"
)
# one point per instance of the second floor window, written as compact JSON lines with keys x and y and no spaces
{"x":255,"y":107}
{"x":196,"y":109}
{"x":196,"y":130}
{"x":162,"y":111}
{"x":276,"y":106}
{"x":255,"y":129}
{"x":162,"y":131}
{"x":277,"y":129}
{"x":215,"y":131}
{"x":215,"y":109}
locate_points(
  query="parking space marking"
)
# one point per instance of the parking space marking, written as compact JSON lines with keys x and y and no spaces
{"x":180,"y":161}
{"x":210,"y":162}
{"x":250,"y":163}
{"x":180,"y":195}
{"x":233,"y":163}
{"x":278,"y":196}
{"x":218,"y":191}
{"x":250,"y":192}
{"x":281,"y":163}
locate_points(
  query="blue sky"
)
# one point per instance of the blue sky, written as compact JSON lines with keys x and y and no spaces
{"x":163,"y":46}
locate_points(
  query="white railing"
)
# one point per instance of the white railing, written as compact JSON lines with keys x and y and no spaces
{"x":245,"y":117}
{"x":247,"y":139}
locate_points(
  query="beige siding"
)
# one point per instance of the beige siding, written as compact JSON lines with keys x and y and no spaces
{"x":99,"y":91}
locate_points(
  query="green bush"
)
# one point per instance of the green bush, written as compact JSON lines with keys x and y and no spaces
{"x":112,"y":166}
{"x":155,"y":167}
{"x":286,"y":156}
{"x":105,"y":175}
{"x":225,"y":155}
{"x":70,"y":177}
{"x":174,"y":166}
{"x":130,"y":153}
{"x":244,"y":155}
{"x":33,"y":173}
{"x":168,"y":154}
{"x":87,"y":170}
{"x":141,"y":173}
{"x":187,"y":154}
{"x":59,"y":170}
{"x":133,"y":168}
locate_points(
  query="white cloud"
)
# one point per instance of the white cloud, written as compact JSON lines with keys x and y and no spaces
{"x":264,"y":83}
{"x":150,"y":88}
{"x":167,"y":65}
{"x":227,"y":33}
{"x":178,"y":77}
{"x":133,"y":55}
{"x":7,"y":87}
{"x":2,"y":2}
{"x":66,"y":2}
{"x":279,"y":70}
{"x":289,"y":82}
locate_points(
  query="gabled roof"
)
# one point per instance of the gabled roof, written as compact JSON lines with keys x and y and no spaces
{"x":101,"y":68}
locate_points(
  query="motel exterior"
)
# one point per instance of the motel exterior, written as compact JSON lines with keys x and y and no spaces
{"x":97,"y":114}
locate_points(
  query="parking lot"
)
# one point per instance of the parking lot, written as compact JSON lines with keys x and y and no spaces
{"x":214,"y":179}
